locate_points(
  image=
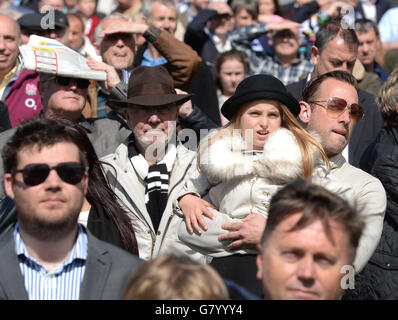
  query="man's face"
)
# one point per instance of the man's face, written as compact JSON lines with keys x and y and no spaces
{"x":55,"y":4}
{"x":368,"y":45}
{"x":243,"y":19}
{"x":86,"y":7}
{"x":222,"y":23}
{"x":335,"y":133}
{"x":8,"y":43}
{"x":63,"y":100}
{"x":117,"y":49}
{"x":53,"y":205}
{"x":286,"y":43}
{"x":152,"y":124}
{"x":76,"y":34}
{"x":163,"y":17}
{"x":304,"y":264}
{"x":337,"y":55}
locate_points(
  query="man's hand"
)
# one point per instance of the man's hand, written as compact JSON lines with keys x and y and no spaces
{"x":185,"y":109}
{"x":285,"y":24}
{"x":124,"y":27}
{"x":246,"y":234}
{"x":112,"y":78}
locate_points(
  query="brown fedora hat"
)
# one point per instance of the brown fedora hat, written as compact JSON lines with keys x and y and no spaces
{"x":152,"y":86}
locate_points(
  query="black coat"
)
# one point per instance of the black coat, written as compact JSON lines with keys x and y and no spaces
{"x":379,"y":278}
{"x":365,"y":131}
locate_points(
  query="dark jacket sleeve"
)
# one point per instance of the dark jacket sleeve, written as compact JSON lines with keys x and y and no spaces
{"x":4,"y":117}
{"x":195,"y":121}
{"x":195,"y":36}
{"x":302,"y":13}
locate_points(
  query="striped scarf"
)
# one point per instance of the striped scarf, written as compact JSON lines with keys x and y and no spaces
{"x":156,"y":178}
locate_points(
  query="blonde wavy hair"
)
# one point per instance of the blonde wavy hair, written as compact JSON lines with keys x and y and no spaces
{"x":387,"y":99}
{"x":305,"y":140}
{"x":171,"y":277}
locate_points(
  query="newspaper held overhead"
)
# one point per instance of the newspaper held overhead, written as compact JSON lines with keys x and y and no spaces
{"x":50,"y":56}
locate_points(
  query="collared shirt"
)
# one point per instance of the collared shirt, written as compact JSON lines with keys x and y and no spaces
{"x":61,"y":283}
{"x":259,"y":62}
{"x":8,"y":80}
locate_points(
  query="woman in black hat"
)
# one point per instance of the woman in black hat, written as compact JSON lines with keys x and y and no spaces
{"x":241,"y":166}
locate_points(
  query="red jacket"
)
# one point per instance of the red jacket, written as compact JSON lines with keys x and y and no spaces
{"x":23,"y":100}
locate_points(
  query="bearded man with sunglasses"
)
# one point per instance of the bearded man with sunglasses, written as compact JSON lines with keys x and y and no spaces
{"x":330,"y":109}
{"x":47,"y":255}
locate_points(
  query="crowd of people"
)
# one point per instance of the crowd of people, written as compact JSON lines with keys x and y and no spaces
{"x":237,"y":149}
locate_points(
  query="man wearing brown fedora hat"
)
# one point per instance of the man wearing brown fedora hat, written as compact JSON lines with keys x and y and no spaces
{"x":148,"y":170}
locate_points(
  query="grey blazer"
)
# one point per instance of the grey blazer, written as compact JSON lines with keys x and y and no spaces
{"x":107,"y":270}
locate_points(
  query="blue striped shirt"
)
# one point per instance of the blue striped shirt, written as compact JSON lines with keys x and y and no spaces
{"x":61,"y":283}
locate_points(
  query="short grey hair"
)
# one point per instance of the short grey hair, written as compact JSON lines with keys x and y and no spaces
{"x":98,"y":29}
{"x":146,"y":6}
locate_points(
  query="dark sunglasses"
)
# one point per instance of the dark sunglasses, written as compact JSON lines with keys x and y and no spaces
{"x":336,"y":106}
{"x":36,"y":173}
{"x":80,"y":83}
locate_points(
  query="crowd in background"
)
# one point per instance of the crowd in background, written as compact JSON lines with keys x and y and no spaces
{"x":206,"y":65}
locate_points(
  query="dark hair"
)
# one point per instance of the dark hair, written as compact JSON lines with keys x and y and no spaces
{"x":99,"y":190}
{"x":315,"y":203}
{"x":228,"y":55}
{"x":365,"y":25}
{"x":312,"y":86}
{"x":39,"y":132}
{"x":47,"y":132}
{"x":330,"y":30}
{"x":250,"y":6}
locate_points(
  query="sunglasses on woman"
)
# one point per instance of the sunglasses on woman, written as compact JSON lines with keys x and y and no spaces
{"x":36,"y":173}
{"x":65,"y":81}
{"x":336,"y":106}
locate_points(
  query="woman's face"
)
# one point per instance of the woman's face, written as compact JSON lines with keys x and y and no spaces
{"x":232,"y":72}
{"x":259,"y":119}
{"x":266,"y":7}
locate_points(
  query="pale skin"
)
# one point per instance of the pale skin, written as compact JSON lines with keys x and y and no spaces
{"x":52,"y":202}
{"x":262,"y":117}
{"x":304,"y":264}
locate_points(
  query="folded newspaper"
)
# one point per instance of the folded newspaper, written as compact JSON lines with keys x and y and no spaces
{"x":50,"y":56}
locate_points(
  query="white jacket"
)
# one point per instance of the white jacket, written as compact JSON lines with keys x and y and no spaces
{"x":239,"y":184}
{"x":130,"y":188}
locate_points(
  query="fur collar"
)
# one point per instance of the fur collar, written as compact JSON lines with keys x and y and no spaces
{"x":279,"y":162}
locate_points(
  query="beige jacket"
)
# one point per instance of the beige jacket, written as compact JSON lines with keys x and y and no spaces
{"x":130,"y":188}
{"x":370,"y":199}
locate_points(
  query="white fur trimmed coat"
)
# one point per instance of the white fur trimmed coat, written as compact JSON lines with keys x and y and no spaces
{"x":239,"y":183}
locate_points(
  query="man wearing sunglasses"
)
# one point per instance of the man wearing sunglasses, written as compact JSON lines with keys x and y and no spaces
{"x":47,"y":255}
{"x":330,"y":108}
{"x":336,"y":48}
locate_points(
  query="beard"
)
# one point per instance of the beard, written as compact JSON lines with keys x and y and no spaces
{"x":154,"y":143}
{"x":43,"y":229}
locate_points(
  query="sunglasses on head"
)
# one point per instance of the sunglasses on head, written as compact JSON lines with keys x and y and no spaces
{"x":65,"y":81}
{"x":36,"y":173}
{"x":336,"y":107}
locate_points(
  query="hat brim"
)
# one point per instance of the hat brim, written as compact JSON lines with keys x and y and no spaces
{"x":155,"y":100}
{"x":232,"y":105}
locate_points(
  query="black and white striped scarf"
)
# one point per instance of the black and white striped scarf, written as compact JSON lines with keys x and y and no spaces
{"x":156,"y":178}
